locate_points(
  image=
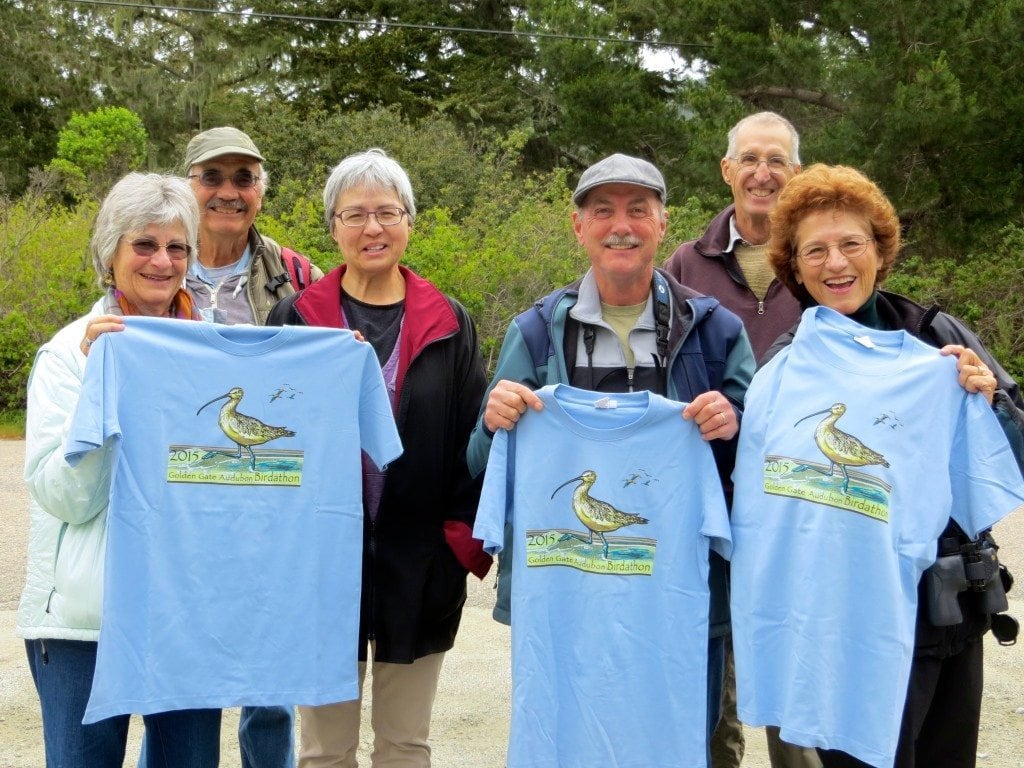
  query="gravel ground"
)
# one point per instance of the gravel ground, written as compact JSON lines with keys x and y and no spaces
{"x":470,"y":724}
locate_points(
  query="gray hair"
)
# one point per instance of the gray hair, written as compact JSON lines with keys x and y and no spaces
{"x":765,"y":118}
{"x":374,"y":169}
{"x":134,"y":203}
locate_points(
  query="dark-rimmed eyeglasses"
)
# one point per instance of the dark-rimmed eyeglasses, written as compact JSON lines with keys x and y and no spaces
{"x":387,"y":216}
{"x":214,"y":179}
{"x":146,"y":248}
{"x":851,"y":246}
{"x":748,"y":161}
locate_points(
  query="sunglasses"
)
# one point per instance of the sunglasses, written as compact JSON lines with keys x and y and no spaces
{"x":146,"y":248}
{"x":214,"y":179}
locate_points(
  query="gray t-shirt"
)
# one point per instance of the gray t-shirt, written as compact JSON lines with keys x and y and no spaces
{"x":221,"y":293}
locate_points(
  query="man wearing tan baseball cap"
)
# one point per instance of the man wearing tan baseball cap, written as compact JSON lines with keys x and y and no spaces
{"x":238,"y":277}
{"x":240,"y":274}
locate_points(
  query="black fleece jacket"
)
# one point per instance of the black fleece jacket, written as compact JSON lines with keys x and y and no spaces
{"x":418,"y":550}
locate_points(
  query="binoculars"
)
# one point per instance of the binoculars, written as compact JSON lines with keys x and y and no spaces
{"x":974,"y":567}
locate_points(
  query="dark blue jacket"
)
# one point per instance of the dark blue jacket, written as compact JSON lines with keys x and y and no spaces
{"x":708,"y":350}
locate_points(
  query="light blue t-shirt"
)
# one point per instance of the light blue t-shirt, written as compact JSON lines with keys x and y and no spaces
{"x":857,"y":446}
{"x":234,"y":540}
{"x":609,"y":635}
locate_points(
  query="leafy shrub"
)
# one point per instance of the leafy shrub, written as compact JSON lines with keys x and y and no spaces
{"x":96,"y":149}
{"x":46,"y":280}
{"x":983,"y":289}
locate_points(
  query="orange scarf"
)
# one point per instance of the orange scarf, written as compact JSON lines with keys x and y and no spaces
{"x":182,"y":306}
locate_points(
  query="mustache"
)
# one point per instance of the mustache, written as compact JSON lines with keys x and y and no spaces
{"x":622,"y":241}
{"x":237,"y":205}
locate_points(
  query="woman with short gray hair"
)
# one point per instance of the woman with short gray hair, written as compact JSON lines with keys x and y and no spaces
{"x":373,"y":169}
{"x":144,"y":236}
{"x":418,"y":512}
{"x":135,"y":202}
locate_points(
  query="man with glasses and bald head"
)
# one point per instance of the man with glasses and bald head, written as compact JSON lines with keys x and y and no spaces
{"x":240,"y":274}
{"x":729,"y":262}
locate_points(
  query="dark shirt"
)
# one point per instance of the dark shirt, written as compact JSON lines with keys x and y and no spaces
{"x":379,"y":323}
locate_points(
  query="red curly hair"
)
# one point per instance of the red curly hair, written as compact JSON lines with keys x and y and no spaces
{"x":830,"y":187}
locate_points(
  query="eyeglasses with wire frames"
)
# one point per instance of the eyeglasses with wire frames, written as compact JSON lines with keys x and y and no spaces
{"x":146,"y":248}
{"x":386,"y":216}
{"x":748,"y":161}
{"x":214,"y":178}
{"x":851,"y":246}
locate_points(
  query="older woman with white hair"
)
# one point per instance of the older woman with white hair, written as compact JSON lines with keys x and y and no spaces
{"x":144,"y":237}
{"x":419,"y":511}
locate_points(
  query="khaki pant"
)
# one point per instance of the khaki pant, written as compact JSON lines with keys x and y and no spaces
{"x":402,"y":697}
{"x":782,"y":754}
{"x":727,"y":743}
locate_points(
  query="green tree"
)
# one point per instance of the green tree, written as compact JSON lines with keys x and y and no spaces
{"x":180,"y":70}
{"x":444,"y":167}
{"x":97,"y":149}
{"x":983,"y":289}
{"x":589,"y":98}
{"x":924,"y":97}
{"x":432,"y":69}
{"x":36,"y":93}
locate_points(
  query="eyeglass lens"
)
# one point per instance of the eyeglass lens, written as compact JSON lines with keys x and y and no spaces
{"x":213,"y":178}
{"x":851,"y":247}
{"x":147,"y":249}
{"x":774,"y":163}
{"x":356,"y":217}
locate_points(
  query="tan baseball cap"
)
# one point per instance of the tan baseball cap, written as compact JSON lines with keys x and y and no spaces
{"x":217,"y":142}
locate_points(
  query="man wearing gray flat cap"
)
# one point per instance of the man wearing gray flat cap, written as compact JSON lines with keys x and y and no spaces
{"x":626,"y":326}
{"x":239,"y":274}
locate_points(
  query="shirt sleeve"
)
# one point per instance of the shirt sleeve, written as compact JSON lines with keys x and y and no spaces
{"x":496,"y":497}
{"x":96,"y":416}
{"x":378,"y":434}
{"x":715,"y":523}
{"x":985,"y":481}
{"x":72,"y":494}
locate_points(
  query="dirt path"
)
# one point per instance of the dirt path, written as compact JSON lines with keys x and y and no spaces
{"x":470,"y":724}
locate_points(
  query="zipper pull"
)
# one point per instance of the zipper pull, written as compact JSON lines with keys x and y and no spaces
{"x":760,"y":307}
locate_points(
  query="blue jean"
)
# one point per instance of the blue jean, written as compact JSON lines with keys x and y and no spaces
{"x":62,"y":671}
{"x":716,"y":679}
{"x":266,"y":737}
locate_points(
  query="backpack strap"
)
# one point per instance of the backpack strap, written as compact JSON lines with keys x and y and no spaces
{"x":298,"y":266}
{"x":533,"y":325}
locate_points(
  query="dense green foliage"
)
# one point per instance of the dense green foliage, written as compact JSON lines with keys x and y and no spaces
{"x":46,"y":278}
{"x":493,"y":128}
{"x":97,"y":149}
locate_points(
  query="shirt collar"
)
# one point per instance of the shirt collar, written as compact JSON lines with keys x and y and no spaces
{"x":587,"y":308}
{"x":214,"y":275}
{"x":734,"y":235}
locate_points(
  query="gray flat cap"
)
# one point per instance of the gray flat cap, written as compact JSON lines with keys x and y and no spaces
{"x":218,"y":142}
{"x":620,"y":169}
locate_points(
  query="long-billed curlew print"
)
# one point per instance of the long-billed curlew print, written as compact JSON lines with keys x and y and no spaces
{"x":834,"y":483}
{"x":212,"y":464}
{"x":622,"y":554}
